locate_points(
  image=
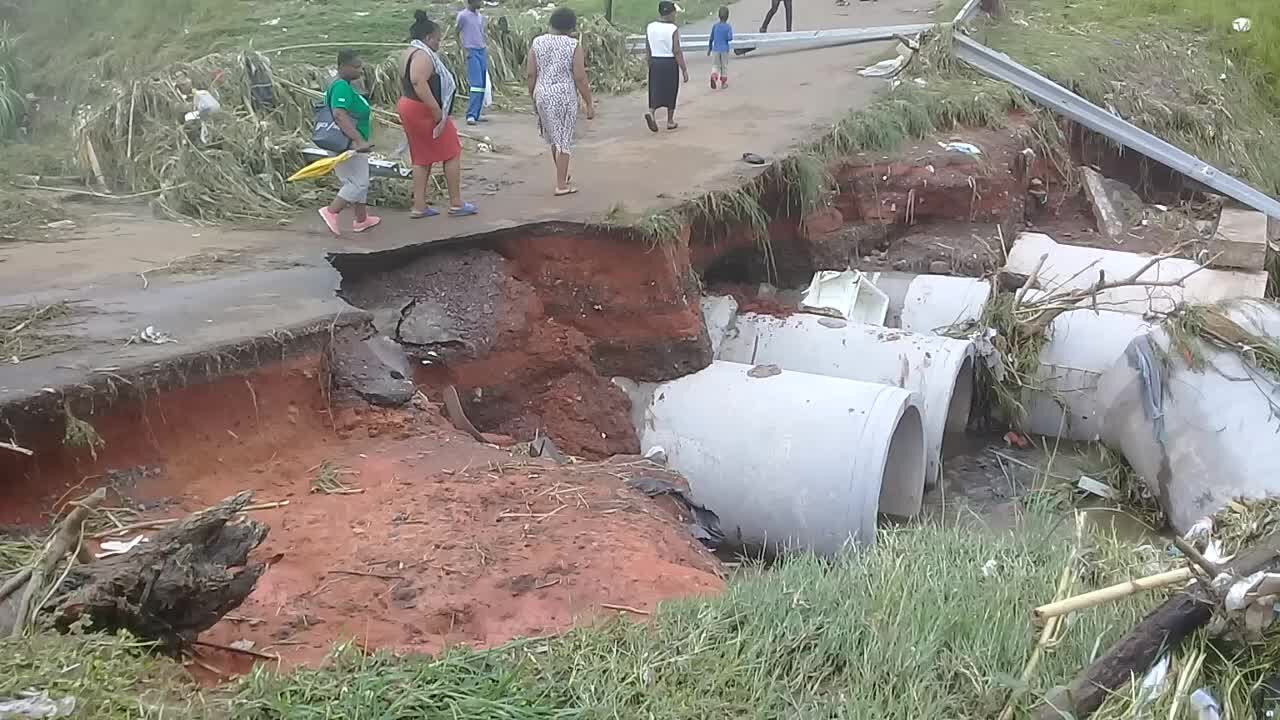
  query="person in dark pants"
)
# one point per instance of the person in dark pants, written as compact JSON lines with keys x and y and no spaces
{"x":773,"y":9}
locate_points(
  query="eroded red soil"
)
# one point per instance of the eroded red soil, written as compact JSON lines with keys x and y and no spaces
{"x":447,"y":541}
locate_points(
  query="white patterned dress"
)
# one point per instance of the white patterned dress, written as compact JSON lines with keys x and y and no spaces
{"x":554,"y":93}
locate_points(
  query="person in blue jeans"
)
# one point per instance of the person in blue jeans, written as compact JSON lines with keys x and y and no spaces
{"x":471,"y":36}
{"x":721,"y":36}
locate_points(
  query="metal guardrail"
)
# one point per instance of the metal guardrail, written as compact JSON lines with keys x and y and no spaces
{"x":1054,"y":96}
{"x":966,"y":12}
{"x":827,"y":38}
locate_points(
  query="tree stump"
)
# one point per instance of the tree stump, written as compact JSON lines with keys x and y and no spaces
{"x":173,"y":588}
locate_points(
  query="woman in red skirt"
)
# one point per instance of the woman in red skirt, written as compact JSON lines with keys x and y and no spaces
{"x":427,"y":89}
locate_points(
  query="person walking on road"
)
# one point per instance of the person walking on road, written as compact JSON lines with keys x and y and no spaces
{"x":773,"y":9}
{"x":666,"y":65}
{"x":353,"y":115}
{"x":718,"y":45}
{"x":427,"y":89}
{"x":471,"y":36}
{"x":556,"y":70}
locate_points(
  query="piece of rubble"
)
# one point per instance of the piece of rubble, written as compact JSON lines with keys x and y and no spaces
{"x":373,"y":367}
{"x":1240,"y":240}
{"x":1114,"y":204}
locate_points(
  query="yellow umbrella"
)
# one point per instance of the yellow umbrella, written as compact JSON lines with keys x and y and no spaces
{"x":320,"y":167}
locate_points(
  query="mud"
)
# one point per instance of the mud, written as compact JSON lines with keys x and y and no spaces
{"x":445,"y":542}
{"x":530,"y":327}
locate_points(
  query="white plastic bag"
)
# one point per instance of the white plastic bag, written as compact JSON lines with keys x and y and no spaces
{"x":488,"y":89}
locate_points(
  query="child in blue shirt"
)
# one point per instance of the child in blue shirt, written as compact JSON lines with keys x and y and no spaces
{"x":721,"y":36}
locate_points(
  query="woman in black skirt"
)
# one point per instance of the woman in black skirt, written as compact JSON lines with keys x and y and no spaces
{"x":666,"y":65}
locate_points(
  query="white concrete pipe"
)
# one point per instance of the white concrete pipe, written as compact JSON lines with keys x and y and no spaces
{"x":1073,"y":267}
{"x":790,"y":460}
{"x":1199,"y":438}
{"x":1083,"y":344}
{"x":931,"y":303}
{"x":940,"y":369}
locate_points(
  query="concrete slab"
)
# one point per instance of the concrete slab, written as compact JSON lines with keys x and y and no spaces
{"x":1240,"y":240}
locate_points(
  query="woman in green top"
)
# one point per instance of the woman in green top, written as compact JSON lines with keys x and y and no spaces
{"x":352,"y":113}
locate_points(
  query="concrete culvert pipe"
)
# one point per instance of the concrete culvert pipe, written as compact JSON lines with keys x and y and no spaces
{"x":939,"y":369}
{"x":790,"y":460}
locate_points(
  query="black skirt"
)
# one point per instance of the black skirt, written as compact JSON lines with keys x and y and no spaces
{"x":664,"y":82}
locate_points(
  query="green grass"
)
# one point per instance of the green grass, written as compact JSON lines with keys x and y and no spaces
{"x":914,"y":628}
{"x":633,"y":15}
{"x":112,"y":677}
{"x":1168,"y":73}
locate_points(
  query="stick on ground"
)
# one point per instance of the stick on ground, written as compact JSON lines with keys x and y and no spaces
{"x":65,"y":540}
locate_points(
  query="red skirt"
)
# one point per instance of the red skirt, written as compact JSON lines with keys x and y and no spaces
{"x":418,"y":127}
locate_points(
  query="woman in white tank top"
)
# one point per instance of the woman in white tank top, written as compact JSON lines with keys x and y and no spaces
{"x":666,"y":65}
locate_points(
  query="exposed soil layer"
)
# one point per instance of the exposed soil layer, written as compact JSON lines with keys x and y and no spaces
{"x":447,"y":541}
{"x":529,"y":326}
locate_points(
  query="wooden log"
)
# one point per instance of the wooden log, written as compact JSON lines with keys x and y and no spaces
{"x":176,"y":586}
{"x":1161,"y":631}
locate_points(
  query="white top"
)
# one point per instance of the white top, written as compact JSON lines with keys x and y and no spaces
{"x":661,"y":39}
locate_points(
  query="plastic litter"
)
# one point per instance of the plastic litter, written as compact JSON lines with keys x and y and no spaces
{"x":32,"y":704}
{"x":151,"y":335}
{"x":1206,"y":705}
{"x":964,"y":147}
{"x":1242,"y":24}
{"x":851,"y":295}
{"x":206,"y":103}
{"x":1155,"y":682}
{"x":656,"y":454}
{"x":111,"y":548}
{"x":706,"y":524}
{"x":1095,"y":487}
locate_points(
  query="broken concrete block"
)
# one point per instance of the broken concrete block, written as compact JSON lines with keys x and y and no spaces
{"x":374,"y":367}
{"x":1240,"y":240}
{"x":1114,"y":204}
{"x":428,"y":323}
{"x":718,"y":314}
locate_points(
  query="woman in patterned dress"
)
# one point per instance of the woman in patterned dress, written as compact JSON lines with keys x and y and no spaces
{"x":557,"y":75}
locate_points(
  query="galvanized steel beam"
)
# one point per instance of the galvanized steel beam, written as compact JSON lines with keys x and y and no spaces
{"x":814,"y":38}
{"x":1054,"y":96}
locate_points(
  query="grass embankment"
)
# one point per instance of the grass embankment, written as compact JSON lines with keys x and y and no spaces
{"x":934,"y":622}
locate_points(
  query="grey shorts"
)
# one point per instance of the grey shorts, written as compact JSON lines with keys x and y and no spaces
{"x":353,"y":173}
{"x":721,"y":62}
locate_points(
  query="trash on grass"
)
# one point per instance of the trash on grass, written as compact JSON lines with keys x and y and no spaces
{"x":964,"y":147}
{"x":151,"y":335}
{"x":1206,"y":705}
{"x":32,"y":704}
{"x":1242,"y":24}
{"x":1095,"y":487}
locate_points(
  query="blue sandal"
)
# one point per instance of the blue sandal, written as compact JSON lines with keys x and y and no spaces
{"x":466,"y":209}
{"x":429,"y":212}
